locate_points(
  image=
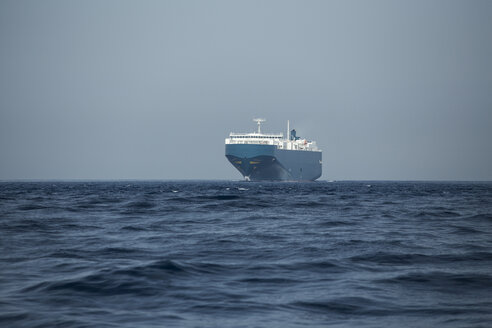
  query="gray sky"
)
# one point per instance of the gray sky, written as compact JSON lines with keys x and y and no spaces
{"x":150,"y":89}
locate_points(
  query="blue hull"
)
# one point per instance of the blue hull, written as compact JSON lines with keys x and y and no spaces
{"x":266,"y":162}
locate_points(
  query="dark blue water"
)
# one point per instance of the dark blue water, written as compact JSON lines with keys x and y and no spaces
{"x":238,"y":254}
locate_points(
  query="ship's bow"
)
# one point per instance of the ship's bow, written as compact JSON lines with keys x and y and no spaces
{"x":255,"y":162}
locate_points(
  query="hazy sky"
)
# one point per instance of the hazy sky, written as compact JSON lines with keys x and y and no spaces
{"x":150,"y":89}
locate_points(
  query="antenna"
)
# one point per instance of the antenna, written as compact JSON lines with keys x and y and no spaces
{"x":288,"y":131}
{"x":259,"y":121}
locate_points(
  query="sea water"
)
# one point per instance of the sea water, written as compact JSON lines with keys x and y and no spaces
{"x":245,"y":254}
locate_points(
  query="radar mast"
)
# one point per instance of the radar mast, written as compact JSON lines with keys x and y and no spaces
{"x":259,"y":121}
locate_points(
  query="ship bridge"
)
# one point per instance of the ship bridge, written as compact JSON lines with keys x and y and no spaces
{"x":277,"y":140}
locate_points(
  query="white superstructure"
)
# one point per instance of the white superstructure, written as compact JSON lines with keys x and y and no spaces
{"x":278,"y":140}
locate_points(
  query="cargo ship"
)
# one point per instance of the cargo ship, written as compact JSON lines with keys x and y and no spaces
{"x":263,"y":156}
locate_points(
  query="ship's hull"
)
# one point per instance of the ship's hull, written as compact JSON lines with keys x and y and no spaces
{"x":266,"y":162}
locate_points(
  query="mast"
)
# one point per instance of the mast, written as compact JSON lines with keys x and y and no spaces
{"x":259,"y":121}
{"x":288,"y":131}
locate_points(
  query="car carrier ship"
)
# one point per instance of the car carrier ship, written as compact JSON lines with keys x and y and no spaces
{"x":263,"y":156}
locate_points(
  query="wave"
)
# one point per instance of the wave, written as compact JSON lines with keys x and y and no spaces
{"x":138,"y":280}
{"x":343,"y":306}
{"x":436,"y":214}
{"x":444,"y":281}
{"x":385,"y":258}
{"x":140,"y":205}
{"x":486,"y":217}
{"x":32,"y":207}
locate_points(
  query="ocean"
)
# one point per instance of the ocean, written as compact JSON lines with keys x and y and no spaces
{"x":245,"y":254}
